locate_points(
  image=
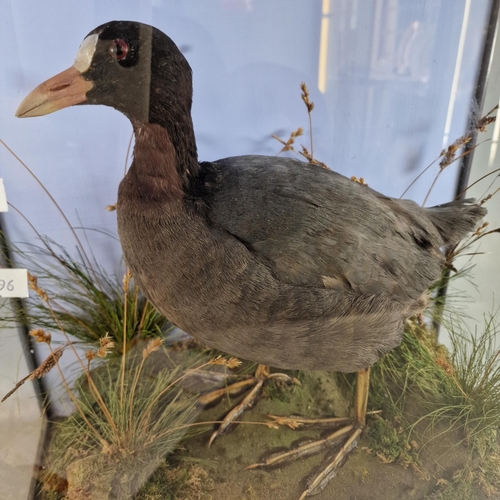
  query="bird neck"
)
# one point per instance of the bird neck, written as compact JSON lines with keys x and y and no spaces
{"x":165,"y":159}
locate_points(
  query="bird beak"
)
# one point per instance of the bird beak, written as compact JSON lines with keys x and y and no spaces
{"x":65,"y":89}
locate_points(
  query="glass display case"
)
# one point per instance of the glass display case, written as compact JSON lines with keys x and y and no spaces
{"x":396,"y":94}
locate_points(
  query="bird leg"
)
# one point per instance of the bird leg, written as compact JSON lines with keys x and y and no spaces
{"x":261,"y":377}
{"x":348,"y":436}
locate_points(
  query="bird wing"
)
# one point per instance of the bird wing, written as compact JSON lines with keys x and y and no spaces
{"x":314,"y":227}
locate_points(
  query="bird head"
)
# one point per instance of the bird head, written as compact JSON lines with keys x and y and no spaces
{"x":130,"y":66}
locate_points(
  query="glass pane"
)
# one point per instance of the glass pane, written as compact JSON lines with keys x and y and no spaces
{"x":392,"y":82}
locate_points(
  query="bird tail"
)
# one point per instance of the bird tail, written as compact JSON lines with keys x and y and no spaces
{"x":456,"y":219}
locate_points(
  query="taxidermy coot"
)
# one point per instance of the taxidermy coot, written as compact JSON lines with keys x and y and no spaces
{"x":268,"y":259}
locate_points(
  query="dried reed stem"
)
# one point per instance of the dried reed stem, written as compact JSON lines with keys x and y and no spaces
{"x":126,"y":282}
{"x":310,"y":107}
{"x":152,"y":346}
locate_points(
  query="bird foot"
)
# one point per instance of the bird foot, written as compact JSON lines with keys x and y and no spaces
{"x":347,"y":437}
{"x":256,"y":383}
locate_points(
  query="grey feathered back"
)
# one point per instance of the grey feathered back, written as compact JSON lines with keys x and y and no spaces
{"x":334,"y":230}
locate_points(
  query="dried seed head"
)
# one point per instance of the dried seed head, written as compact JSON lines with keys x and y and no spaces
{"x":106,"y":344}
{"x":230,"y":363}
{"x":288,"y":145}
{"x":32,"y":281}
{"x":445,"y":365}
{"x":305,"y":153}
{"x":106,"y":341}
{"x":359,"y":181}
{"x":153,"y":345}
{"x":289,"y":422}
{"x":90,"y":355}
{"x":308,"y":156}
{"x":102,"y":352}
{"x":126,"y":280}
{"x":272,"y":425}
{"x":33,"y":285}
{"x":485,"y":199}
{"x":233,"y":363}
{"x":449,"y":153}
{"x":305,"y":97}
{"x":479,"y":230}
{"x":40,"y":335}
{"x":483,"y":122}
{"x":48,"y":363}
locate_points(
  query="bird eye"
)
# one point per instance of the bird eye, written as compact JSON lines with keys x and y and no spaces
{"x":119,"y":49}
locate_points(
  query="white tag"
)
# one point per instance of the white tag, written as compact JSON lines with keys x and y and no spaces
{"x":3,"y":198}
{"x":14,"y":283}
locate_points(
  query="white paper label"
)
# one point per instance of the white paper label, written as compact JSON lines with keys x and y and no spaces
{"x":14,"y":283}
{"x":3,"y":199}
